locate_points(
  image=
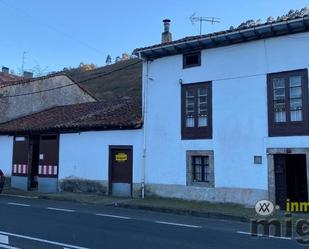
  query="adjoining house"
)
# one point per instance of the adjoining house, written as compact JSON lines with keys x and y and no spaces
{"x":96,"y":142}
{"x":6,"y":76}
{"x":226,"y":114}
{"x":29,"y":95}
{"x":93,"y":115}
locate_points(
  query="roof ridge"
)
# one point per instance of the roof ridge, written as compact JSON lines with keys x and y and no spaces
{"x":226,"y":31}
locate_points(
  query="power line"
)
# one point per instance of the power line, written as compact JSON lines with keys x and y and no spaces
{"x":68,"y":85}
{"x":25,"y":13}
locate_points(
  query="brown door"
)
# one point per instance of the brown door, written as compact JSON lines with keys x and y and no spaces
{"x":49,"y":156}
{"x":280,"y":180}
{"x":120,"y":170}
{"x":20,"y":156}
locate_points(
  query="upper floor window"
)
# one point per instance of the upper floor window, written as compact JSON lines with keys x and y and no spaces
{"x":288,"y":103}
{"x":192,"y":59}
{"x":196,"y":111}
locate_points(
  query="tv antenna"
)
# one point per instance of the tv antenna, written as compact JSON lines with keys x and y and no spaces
{"x":23,"y":61}
{"x":201,"y":19}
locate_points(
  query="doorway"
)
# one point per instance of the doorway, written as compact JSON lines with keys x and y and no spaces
{"x":34,"y":151}
{"x":290,"y":178}
{"x":120,"y":170}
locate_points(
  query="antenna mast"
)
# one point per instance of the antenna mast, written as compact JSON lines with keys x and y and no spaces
{"x":23,"y":62}
{"x":201,"y":19}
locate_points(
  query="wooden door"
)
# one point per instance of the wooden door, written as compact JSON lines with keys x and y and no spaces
{"x":20,"y":156}
{"x":280,"y":180}
{"x":121,"y":167}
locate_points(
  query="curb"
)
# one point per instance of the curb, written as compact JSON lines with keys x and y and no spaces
{"x":20,"y":196}
{"x":211,"y":215}
{"x":188,"y":212}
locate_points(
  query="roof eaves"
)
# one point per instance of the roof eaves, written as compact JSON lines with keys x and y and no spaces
{"x":153,"y":51}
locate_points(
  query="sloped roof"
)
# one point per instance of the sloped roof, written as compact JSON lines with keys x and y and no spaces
{"x":119,"y":80}
{"x":103,"y":115}
{"x":244,"y":33}
{"x":4,"y":77}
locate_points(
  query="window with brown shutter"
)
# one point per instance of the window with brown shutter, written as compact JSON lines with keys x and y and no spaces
{"x":196,"y":108}
{"x":288,"y":103}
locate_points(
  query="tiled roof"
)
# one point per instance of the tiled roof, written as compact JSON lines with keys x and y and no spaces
{"x":114,"y":115}
{"x":8,"y":78}
{"x":119,"y":80}
{"x":247,"y":31}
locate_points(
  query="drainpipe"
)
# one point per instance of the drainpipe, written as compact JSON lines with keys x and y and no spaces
{"x":145,"y":92}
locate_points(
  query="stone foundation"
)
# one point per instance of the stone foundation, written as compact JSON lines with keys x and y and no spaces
{"x":82,"y":185}
{"x":247,"y":197}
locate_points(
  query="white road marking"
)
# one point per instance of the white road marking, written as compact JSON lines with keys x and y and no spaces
{"x":61,"y":209}
{"x":176,"y":224}
{"x":4,"y":239}
{"x":261,"y":235}
{"x":18,"y":204}
{"x":21,"y":196}
{"x":43,"y":241}
{"x":115,"y":216}
{"x":8,"y":247}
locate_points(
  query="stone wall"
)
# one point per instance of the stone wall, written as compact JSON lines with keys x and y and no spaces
{"x":64,"y":92}
{"x":82,"y":185}
{"x":243,"y":196}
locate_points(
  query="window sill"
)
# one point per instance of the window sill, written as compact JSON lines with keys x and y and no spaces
{"x":201,"y":184}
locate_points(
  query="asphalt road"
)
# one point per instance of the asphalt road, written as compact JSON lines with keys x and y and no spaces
{"x":36,"y":224}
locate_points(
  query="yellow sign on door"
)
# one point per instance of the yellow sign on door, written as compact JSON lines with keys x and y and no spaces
{"x":121,"y":157}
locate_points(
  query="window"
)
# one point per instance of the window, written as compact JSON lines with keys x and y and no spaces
{"x":192,"y":59}
{"x":196,"y":111}
{"x":200,"y":168}
{"x":288,"y":103}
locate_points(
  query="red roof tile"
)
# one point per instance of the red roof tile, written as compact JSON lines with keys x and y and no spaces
{"x":121,"y":114}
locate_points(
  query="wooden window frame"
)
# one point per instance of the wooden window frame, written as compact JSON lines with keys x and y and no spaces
{"x":288,"y":128}
{"x":190,"y":154}
{"x":196,"y":132}
{"x":184,"y":62}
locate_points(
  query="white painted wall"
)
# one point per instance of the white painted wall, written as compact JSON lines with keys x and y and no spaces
{"x":85,"y":155}
{"x":6,"y":154}
{"x":238,"y":74}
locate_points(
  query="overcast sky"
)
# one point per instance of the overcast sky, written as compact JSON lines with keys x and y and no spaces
{"x":63,"y":33}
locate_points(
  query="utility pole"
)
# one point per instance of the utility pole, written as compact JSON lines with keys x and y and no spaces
{"x":201,"y":19}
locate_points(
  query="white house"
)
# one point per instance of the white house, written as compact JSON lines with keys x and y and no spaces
{"x":226,"y":114}
{"x":225,"y":119}
{"x":96,"y":146}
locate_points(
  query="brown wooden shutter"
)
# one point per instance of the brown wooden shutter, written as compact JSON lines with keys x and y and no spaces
{"x":49,"y":156}
{"x":20,"y":156}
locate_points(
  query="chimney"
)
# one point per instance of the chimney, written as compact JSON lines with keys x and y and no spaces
{"x":28,"y":75}
{"x":5,"y":70}
{"x":166,"y":35}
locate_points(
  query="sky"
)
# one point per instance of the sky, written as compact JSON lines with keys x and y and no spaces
{"x":53,"y":34}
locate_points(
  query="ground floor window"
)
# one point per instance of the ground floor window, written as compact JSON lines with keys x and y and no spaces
{"x":200,"y":168}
